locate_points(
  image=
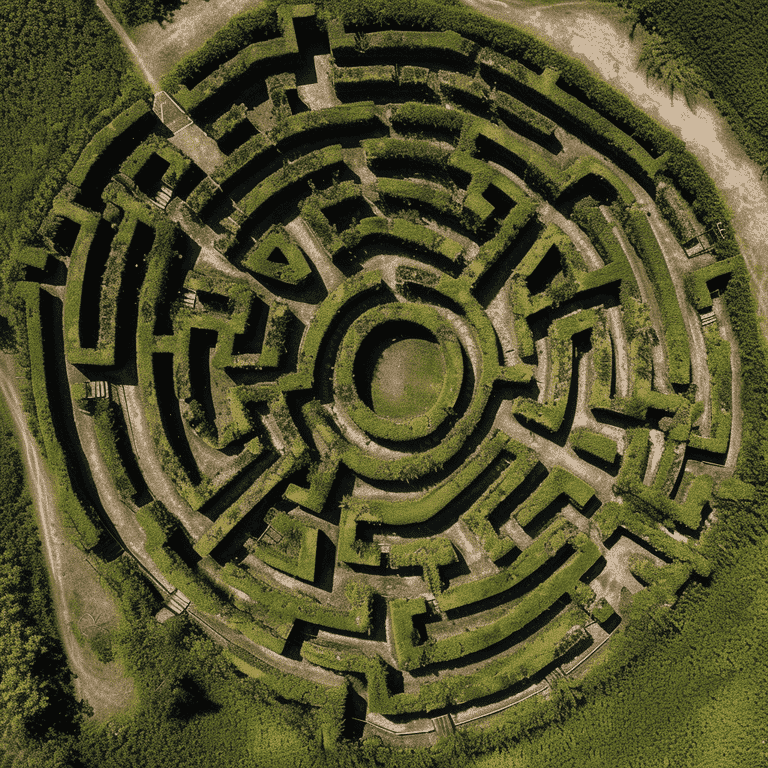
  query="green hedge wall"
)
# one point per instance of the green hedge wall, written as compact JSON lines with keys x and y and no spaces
{"x":476,"y":517}
{"x":126,"y":121}
{"x":78,"y":518}
{"x":559,"y":482}
{"x":295,"y":535}
{"x":644,"y":241}
{"x":410,"y":655}
{"x":279,"y":182}
{"x":593,"y":443}
{"x":545,"y":546}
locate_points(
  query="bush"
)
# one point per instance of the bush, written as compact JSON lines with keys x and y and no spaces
{"x":550,"y":414}
{"x":78,"y":519}
{"x":113,"y":443}
{"x":203,"y":195}
{"x":429,"y":554}
{"x":276,"y":240}
{"x":476,"y":518}
{"x":295,"y":553}
{"x":546,"y":546}
{"x":410,"y":194}
{"x":282,"y":469}
{"x":696,"y":282}
{"x":257,"y":151}
{"x":359,"y":335}
{"x":232,"y":121}
{"x":130,"y":120}
{"x":593,"y":443}
{"x":178,"y":163}
{"x":642,"y":238}
{"x":353,"y":82}
{"x":326,"y":124}
{"x":278,"y":54}
{"x":428,"y":119}
{"x":280,"y":182}
{"x":522,"y":119}
{"x":282,"y":606}
{"x":559,"y":482}
{"x":410,"y":655}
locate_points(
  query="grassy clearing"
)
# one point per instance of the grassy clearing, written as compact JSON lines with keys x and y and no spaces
{"x":407,"y":379}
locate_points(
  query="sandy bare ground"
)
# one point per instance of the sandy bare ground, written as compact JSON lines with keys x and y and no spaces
{"x":78,"y":595}
{"x":596,"y":35}
{"x":162,"y":45}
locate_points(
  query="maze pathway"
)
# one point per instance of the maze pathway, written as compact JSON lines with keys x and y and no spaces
{"x":417,"y":384}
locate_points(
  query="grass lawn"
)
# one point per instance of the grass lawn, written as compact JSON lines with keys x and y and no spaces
{"x":407,"y":378}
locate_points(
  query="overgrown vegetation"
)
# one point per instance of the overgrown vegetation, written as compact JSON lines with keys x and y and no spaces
{"x":191,"y":701}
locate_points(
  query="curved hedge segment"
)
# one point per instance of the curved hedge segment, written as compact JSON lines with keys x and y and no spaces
{"x":473,"y":224}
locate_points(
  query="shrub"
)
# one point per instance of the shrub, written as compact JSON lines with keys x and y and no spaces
{"x":390,"y":156}
{"x":546,"y":546}
{"x":178,"y":163}
{"x":233,"y":120}
{"x":410,"y":655}
{"x":429,"y":119}
{"x":352,"y":82}
{"x":203,"y":195}
{"x":559,"y":482}
{"x":326,"y":124}
{"x":278,"y":54}
{"x":429,"y":554}
{"x":288,"y":463}
{"x":80,"y":520}
{"x":401,"y":192}
{"x":321,"y":479}
{"x":292,"y":269}
{"x":113,"y":443}
{"x":642,"y":238}
{"x":477,"y":516}
{"x":593,"y":443}
{"x":257,"y":151}
{"x":128,"y":121}
{"x":295,"y":553}
{"x":696,"y":283}
{"x":521,"y":118}
{"x":550,"y":414}
{"x":280,"y":182}
{"x":472,"y":92}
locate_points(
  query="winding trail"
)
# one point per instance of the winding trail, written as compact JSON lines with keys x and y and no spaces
{"x":128,"y":43}
{"x":105,"y":686}
{"x":595,"y":34}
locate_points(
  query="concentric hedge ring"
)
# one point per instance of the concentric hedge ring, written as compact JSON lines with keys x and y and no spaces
{"x":347,"y":363}
{"x":565,"y":420}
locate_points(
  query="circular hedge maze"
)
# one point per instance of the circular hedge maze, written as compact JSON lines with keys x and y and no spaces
{"x":401,"y":357}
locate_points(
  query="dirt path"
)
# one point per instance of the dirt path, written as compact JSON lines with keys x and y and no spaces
{"x":595,"y":34}
{"x":78,"y":595}
{"x":128,"y":43}
{"x":151,"y":467}
{"x":163,"y":45}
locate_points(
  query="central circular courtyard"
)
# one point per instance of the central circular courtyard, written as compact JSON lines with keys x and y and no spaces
{"x":408,"y":375}
{"x":399,"y":371}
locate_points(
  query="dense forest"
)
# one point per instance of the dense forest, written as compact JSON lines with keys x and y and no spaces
{"x":60,"y":68}
{"x":684,"y":688}
{"x":726,"y":42}
{"x":134,"y":12}
{"x":38,"y":712}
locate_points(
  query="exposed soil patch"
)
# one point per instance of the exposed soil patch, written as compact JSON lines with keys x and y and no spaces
{"x":163,"y":44}
{"x":78,"y":596}
{"x":407,"y":378}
